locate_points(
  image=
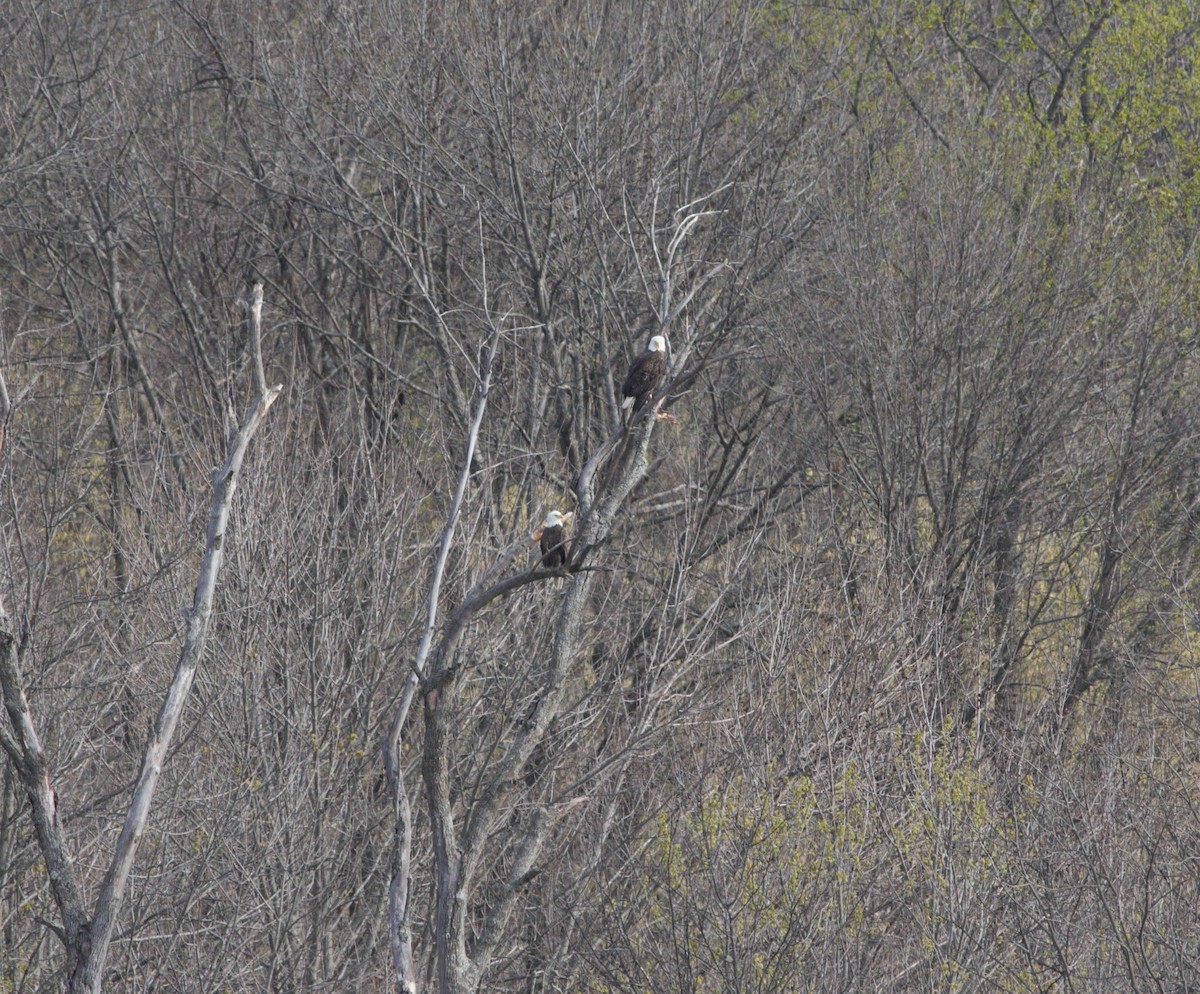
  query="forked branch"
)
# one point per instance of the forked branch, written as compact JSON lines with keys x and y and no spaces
{"x":398,"y":921}
{"x":87,"y":942}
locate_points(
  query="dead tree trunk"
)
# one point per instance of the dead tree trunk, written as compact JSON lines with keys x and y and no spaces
{"x":86,"y":939}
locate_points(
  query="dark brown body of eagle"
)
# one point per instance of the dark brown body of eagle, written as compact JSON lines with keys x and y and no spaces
{"x":645,"y":376}
{"x":554,"y":547}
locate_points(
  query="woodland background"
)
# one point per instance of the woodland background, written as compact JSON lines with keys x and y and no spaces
{"x":884,"y":677}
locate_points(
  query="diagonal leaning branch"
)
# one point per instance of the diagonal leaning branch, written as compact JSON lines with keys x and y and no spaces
{"x":225,"y":480}
{"x":24,"y":749}
{"x":87,"y":942}
{"x":398,"y":918}
{"x":112,"y":889}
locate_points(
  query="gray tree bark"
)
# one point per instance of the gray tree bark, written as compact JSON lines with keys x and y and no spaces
{"x":87,"y":938}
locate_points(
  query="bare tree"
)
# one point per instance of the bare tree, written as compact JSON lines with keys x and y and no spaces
{"x":86,"y":935}
{"x":873,"y":668}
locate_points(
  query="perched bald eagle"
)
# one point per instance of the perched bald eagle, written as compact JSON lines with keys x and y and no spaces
{"x":646,"y":375}
{"x":552,"y":539}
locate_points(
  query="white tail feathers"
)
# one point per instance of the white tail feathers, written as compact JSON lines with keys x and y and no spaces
{"x":627,"y":403}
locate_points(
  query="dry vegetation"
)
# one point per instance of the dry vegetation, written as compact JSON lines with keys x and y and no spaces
{"x":874,"y":670}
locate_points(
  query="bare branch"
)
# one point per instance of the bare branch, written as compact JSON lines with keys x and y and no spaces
{"x":5,"y":399}
{"x":254,"y":317}
{"x":519,"y":875}
{"x":401,"y":937}
{"x":112,"y":888}
{"x":106,"y":254}
{"x":29,"y":758}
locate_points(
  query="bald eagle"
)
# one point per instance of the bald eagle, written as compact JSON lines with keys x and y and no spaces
{"x":552,"y":539}
{"x":645,"y":376}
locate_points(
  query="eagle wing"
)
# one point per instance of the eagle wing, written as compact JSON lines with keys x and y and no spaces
{"x":644,"y":377}
{"x":554,"y":553}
